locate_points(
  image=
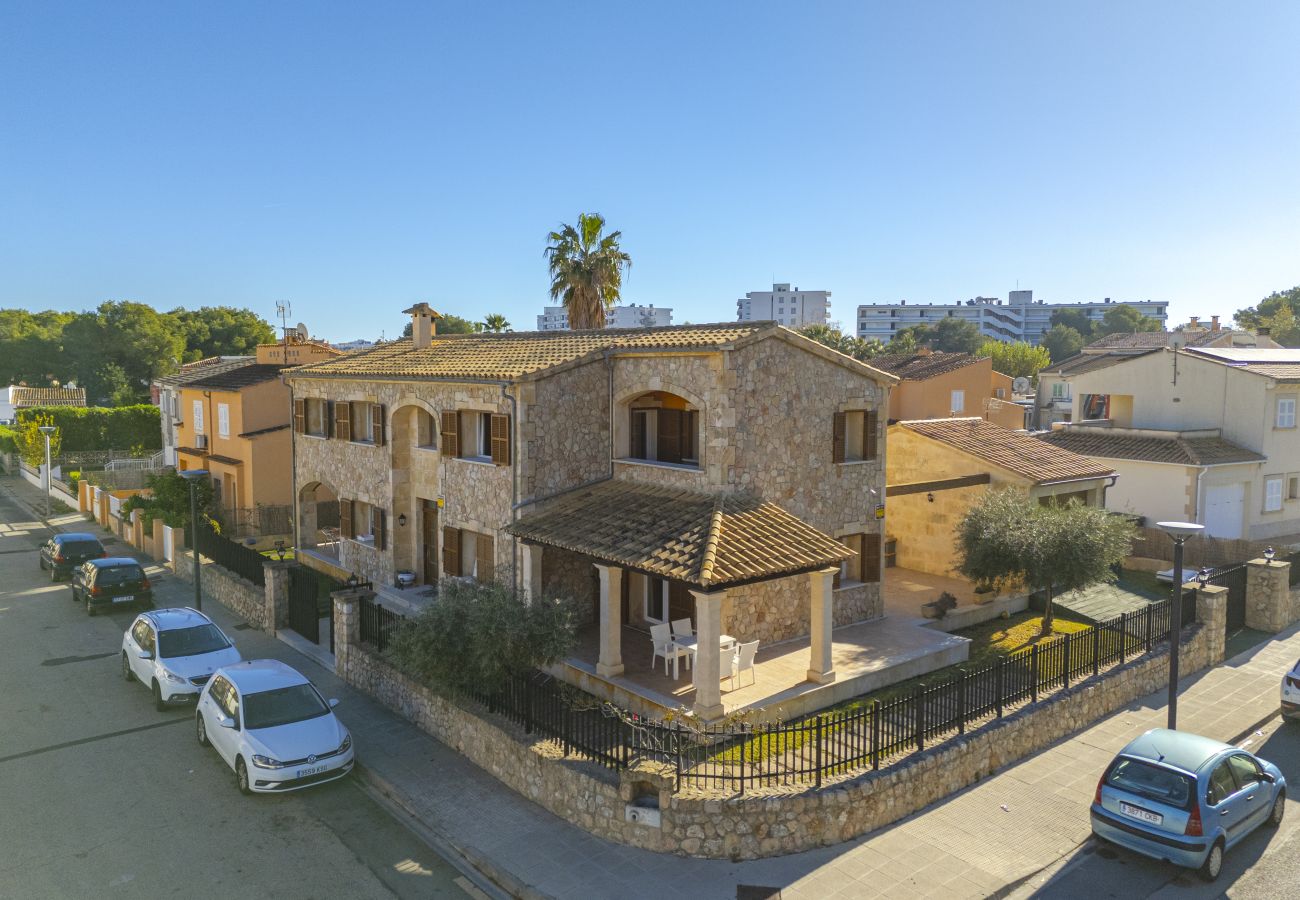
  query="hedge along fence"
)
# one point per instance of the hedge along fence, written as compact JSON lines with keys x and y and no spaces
{"x":102,"y":427}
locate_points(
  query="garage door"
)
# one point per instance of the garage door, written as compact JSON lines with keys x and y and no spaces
{"x":1225,"y":508}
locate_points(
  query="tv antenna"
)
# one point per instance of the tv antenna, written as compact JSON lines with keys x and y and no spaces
{"x":283,"y":310}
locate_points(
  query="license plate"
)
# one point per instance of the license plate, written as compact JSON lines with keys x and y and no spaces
{"x":314,"y":770}
{"x":1138,"y":812}
{"x":128,"y":598}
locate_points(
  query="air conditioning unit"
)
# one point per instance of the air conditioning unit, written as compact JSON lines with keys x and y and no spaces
{"x":200,"y":442}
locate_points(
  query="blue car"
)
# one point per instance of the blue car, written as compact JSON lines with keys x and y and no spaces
{"x":1186,"y":799}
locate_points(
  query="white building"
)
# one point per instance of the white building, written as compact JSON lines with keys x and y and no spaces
{"x":785,"y":305}
{"x":556,"y":318}
{"x":358,"y":344}
{"x":1020,"y":318}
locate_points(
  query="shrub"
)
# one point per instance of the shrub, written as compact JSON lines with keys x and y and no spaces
{"x":102,"y":428}
{"x":474,"y":637}
{"x":8,"y":439}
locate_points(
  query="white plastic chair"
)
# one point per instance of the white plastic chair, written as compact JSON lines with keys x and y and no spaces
{"x":662,"y":637}
{"x":741,"y":659}
{"x":682,"y":628}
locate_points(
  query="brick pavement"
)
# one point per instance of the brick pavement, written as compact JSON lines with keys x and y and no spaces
{"x":976,"y":843}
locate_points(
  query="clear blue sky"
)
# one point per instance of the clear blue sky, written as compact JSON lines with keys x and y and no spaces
{"x":354,"y":158}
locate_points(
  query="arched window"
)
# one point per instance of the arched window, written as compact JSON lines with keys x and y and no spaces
{"x":663,"y":427}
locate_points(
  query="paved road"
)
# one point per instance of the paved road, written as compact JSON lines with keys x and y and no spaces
{"x":1262,"y":867}
{"x":101,"y":796}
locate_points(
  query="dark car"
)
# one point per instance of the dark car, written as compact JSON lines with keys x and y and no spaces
{"x":63,"y":553}
{"x":112,"y":581}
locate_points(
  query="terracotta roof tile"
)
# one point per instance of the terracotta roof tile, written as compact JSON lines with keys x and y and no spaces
{"x":920,"y":366}
{"x":1154,"y":340}
{"x":1192,"y":451}
{"x":1015,"y":451}
{"x":30,"y":396}
{"x":203,"y":368}
{"x":236,"y":378}
{"x":707,"y":540}
{"x":513,"y":355}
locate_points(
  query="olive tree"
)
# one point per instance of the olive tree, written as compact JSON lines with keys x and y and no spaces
{"x":1008,"y":538}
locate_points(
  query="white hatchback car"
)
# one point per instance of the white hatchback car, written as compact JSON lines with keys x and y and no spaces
{"x":1291,"y":693}
{"x":174,"y":652}
{"x":271,"y":725}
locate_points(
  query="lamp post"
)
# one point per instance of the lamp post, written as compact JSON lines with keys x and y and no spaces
{"x":194,"y":476}
{"x":1180,"y":532}
{"x":47,"y":430}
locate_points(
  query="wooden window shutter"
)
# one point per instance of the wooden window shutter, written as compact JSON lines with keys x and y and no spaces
{"x":484,"y":558}
{"x":377,"y":422}
{"x":870,"y":425}
{"x":839,"y":428}
{"x":450,"y":550}
{"x":636,"y":445}
{"x":343,"y":420}
{"x":380,"y":529}
{"x":450,"y":437}
{"x":327,"y":413}
{"x":300,"y":416}
{"x":500,"y":440}
{"x":871,"y":558}
{"x":668,"y":440}
{"x":345,"y":518}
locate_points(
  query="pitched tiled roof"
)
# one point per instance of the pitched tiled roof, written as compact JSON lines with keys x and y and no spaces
{"x":1156,"y":340}
{"x":919,"y":366}
{"x":1280,"y":364}
{"x":512,"y":355}
{"x":1015,"y":451}
{"x":238,"y":377}
{"x":707,"y":540}
{"x":29,"y":396}
{"x":1191,"y":451}
{"x":203,"y":368}
{"x":1091,"y":362}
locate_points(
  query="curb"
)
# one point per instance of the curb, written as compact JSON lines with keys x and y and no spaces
{"x":481,"y":870}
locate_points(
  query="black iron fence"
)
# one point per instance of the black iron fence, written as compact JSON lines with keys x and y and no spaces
{"x":243,"y":561}
{"x":739,"y":757}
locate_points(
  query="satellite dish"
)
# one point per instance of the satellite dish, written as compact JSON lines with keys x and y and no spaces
{"x":302,"y":331}
{"x":1020,"y":385}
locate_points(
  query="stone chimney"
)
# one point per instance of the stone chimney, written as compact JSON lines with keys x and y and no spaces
{"x":1214,"y":323}
{"x":1195,"y":322}
{"x":423,"y":324}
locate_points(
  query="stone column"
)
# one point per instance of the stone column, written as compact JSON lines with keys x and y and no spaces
{"x":84,"y":488}
{"x":1268,"y":595}
{"x":708,"y":657}
{"x":159,"y":547}
{"x":347,"y":627}
{"x":532,"y":571}
{"x":276,"y":611}
{"x":611,"y":621}
{"x":820,"y":668}
{"x":1212,"y":614}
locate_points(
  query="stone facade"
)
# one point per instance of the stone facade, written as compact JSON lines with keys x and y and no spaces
{"x":1271,"y":605}
{"x":240,"y":596}
{"x":766,"y":823}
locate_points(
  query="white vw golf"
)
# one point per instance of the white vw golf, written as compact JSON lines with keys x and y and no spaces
{"x":174,"y":652}
{"x":271,"y":725}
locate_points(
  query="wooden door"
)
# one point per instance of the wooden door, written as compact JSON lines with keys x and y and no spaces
{"x":429,"y":540}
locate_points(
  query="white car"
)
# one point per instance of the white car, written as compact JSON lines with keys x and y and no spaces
{"x":271,"y":725}
{"x":174,"y":652}
{"x":1291,"y":693}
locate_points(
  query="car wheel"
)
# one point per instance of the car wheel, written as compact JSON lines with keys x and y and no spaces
{"x":54,"y":574}
{"x":127,"y":674}
{"x":241,"y":776}
{"x":158,"y":703}
{"x":201,"y":730}
{"x":1213,"y":863}
{"x":41,"y":560}
{"x":1278,"y":810}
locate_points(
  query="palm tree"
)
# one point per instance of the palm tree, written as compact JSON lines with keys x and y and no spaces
{"x":586,"y":269}
{"x":496,"y":323}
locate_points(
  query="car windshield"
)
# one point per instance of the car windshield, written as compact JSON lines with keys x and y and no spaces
{"x":1153,"y":782}
{"x":119,"y":575}
{"x":80,"y":548}
{"x":282,"y":706}
{"x":191,"y":641}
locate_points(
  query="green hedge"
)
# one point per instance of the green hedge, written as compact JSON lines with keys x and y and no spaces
{"x":7,"y":442}
{"x":102,"y":427}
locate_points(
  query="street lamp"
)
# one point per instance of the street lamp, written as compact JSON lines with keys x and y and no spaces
{"x":1180,"y":532}
{"x":47,"y":430}
{"x":194,"y":476}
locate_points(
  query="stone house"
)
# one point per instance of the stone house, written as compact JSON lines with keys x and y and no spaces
{"x":729,"y":474}
{"x":937,"y":468}
{"x":938,"y":385}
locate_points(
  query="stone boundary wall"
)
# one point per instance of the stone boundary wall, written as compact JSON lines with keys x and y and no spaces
{"x":759,"y":825}
{"x":237,"y":594}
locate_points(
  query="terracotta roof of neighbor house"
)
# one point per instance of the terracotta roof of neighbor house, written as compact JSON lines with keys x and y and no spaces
{"x":234,"y":379}
{"x":1014,"y":451}
{"x":518,"y":354}
{"x":920,"y":366}
{"x":1091,"y":362}
{"x":1175,"y":449}
{"x":707,"y":540}
{"x":30,"y":396}
{"x":1154,"y":340}
{"x":1280,"y":364}
{"x":203,"y":368}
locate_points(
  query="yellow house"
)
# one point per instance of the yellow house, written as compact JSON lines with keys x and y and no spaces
{"x":936,"y":385}
{"x":936,"y":469}
{"x":236,"y":424}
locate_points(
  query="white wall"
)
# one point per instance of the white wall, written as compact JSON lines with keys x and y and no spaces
{"x":1158,"y":492}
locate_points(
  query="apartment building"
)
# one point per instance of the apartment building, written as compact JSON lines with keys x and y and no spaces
{"x":631,"y":315}
{"x":785,"y":305}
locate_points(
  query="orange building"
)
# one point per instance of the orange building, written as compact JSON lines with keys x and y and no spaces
{"x":938,"y":385}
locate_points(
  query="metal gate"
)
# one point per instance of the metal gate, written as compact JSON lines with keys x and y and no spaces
{"x":304,"y":611}
{"x":1234,"y":579}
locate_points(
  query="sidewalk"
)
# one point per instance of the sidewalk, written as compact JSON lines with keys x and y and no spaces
{"x":976,"y":843}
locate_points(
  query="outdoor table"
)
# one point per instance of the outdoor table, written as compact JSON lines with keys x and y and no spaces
{"x":690,"y":644}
